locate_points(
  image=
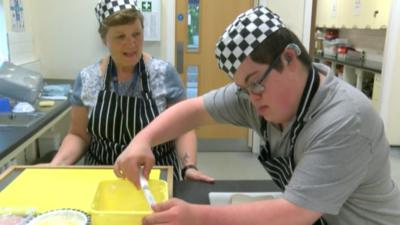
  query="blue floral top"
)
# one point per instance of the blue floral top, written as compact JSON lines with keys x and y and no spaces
{"x":165,"y":83}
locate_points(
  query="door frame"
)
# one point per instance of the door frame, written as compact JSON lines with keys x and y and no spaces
{"x":169,"y":37}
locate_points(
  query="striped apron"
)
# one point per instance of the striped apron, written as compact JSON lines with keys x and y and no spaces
{"x":281,"y":168}
{"x":116,"y":119}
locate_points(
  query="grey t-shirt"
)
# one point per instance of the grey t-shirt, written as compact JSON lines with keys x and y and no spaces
{"x":341,"y":154}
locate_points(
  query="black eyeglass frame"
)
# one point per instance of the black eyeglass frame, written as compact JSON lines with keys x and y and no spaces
{"x":256,"y":88}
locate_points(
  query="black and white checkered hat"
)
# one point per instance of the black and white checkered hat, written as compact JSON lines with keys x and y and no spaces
{"x":106,"y":8}
{"x":243,"y":36}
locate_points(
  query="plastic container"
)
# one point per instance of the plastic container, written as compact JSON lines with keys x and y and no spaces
{"x":119,"y":202}
{"x":16,"y":216}
{"x":5,"y":106}
{"x":19,"y":83}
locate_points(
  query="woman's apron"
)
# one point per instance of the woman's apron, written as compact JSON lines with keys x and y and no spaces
{"x":281,"y":168}
{"x":116,"y":119}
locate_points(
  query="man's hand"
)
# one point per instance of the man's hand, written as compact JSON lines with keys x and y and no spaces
{"x":130,"y":161}
{"x":173,"y":212}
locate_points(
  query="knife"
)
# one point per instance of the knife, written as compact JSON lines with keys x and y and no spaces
{"x":147,"y":193}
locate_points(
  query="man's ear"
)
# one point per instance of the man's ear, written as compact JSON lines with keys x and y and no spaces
{"x":294,"y":47}
{"x":288,"y":58}
{"x":291,"y":51}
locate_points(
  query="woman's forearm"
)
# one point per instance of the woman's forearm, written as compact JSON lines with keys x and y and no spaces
{"x":71,"y":150}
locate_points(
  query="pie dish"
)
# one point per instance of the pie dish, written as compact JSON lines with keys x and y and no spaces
{"x":61,"y":217}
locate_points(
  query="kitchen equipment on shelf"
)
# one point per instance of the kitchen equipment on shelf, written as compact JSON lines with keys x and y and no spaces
{"x":19,"y":83}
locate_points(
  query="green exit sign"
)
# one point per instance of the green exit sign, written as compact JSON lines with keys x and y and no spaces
{"x":146,"y":6}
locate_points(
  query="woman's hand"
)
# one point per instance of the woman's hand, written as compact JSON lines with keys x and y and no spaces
{"x":195,"y":175}
{"x":129,"y":162}
{"x":173,"y":212}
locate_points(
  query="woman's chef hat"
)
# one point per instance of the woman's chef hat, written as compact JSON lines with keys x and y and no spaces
{"x":106,"y":8}
{"x":240,"y":38}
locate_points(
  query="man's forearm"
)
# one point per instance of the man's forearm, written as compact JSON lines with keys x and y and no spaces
{"x":271,"y":212}
{"x":175,"y":121}
{"x":186,"y":146}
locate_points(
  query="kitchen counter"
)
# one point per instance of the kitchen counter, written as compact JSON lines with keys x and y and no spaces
{"x":197,"y":192}
{"x":12,"y":137}
{"x":371,"y":66}
{"x":13,"y":140}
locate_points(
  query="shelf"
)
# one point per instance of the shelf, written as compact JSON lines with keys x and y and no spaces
{"x":370,"y":66}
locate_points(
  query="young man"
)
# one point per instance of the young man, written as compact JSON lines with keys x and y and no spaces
{"x":325,"y":146}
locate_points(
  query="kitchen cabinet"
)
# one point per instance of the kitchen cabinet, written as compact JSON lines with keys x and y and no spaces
{"x":359,"y":14}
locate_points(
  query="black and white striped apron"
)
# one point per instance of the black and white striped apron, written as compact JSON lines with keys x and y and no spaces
{"x":281,"y":168}
{"x":116,"y":119}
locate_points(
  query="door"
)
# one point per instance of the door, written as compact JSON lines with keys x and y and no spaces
{"x":199,"y":23}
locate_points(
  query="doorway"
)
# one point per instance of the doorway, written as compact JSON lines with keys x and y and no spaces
{"x":199,"y":23}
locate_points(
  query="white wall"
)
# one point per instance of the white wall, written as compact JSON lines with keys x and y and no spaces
{"x":21,"y":44}
{"x":3,"y":36}
{"x":292,"y":14}
{"x":65,"y":36}
{"x":65,"y":32}
{"x":27,"y":14}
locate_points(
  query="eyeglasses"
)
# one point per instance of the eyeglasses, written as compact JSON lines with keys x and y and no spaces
{"x":257,"y":87}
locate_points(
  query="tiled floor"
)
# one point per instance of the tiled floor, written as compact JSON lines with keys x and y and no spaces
{"x":231,"y":165}
{"x":245,"y":166}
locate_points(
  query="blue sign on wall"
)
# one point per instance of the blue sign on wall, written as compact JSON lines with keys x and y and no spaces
{"x":17,"y":18}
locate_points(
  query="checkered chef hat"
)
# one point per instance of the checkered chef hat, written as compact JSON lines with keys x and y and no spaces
{"x":243,"y":36}
{"x":106,"y":8}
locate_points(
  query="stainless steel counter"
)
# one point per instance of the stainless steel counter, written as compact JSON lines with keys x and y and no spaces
{"x":14,"y":139}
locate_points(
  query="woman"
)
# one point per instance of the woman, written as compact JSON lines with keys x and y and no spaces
{"x":118,"y":96}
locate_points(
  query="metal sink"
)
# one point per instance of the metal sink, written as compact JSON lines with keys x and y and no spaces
{"x":19,"y":119}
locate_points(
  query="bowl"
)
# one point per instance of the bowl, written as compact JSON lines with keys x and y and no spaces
{"x":120,"y":202}
{"x":61,"y":217}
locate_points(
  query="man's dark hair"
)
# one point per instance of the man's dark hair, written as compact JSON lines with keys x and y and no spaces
{"x":274,"y":45}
